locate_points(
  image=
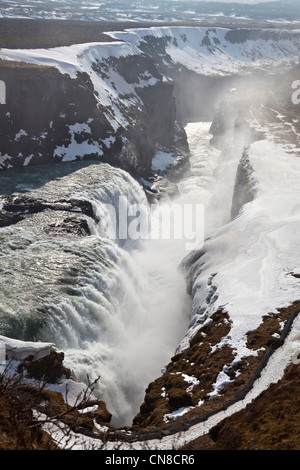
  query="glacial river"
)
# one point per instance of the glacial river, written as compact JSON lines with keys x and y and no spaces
{"x":117,"y":307}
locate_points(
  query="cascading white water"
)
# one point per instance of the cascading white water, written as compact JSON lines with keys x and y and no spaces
{"x":118,"y":309}
{"x":148,"y":304}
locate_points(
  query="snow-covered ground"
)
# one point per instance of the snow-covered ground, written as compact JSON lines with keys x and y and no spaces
{"x":113,"y":91}
{"x":271,"y":374}
{"x":252,"y":257}
{"x":249,"y":11}
{"x":247,"y":261}
{"x":18,"y":350}
{"x":256,"y":252}
{"x":217,"y":51}
{"x":207,"y":51}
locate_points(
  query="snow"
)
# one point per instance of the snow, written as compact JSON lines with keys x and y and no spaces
{"x":109,"y":141}
{"x":100,"y":428}
{"x":14,"y":351}
{"x":202,"y":50}
{"x":222,"y":380}
{"x":20,"y":134}
{"x":19,"y":350}
{"x":71,"y":390}
{"x":69,"y":59}
{"x":257,"y":251}
{"x":271,"y":374}
{"x":27,"y":160}
{"x":208,"y":51}
{"x":177,"y":414}
{"x":75,"y":149}
{"x":190,"y":380}
{"x":162,"y":160}
{"x":3,"y":159}
{"x":112,"y":89}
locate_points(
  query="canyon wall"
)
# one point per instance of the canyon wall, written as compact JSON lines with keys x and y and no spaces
{"x":119,"y":101}
{"x":51,"y":116}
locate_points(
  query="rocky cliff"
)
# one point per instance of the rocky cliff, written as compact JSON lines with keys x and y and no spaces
{"x":114,"y":101}
{"x":207,"y":374}
{"x":51,"y":116}
{"x":118,"y":108}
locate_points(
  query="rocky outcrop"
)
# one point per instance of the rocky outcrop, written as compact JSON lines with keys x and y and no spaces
{"x":244,"y":189}
{"x":71,"y":217}
{"x":37,"y":388}
{"x":7,"y":218}
{"x":230,"y":123}
{"x":270,"y":422}
{"x":41,"y":104}
{"x":51,"y":117}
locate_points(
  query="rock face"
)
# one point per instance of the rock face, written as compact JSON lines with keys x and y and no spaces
{"x":270,"y":422}
{"x":243,"y":190}
{"x":114,"y":101}
{"x":76,"y":125}
{"x":20,"y":427}
{"x":50,"y":116}
{"x":205,"y":367}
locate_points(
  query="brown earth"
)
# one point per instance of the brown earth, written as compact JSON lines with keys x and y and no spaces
{"x":204,"y":362}
{"x":19,"y":427}
{"x":271,"y":422}
{"x":18,"y":431}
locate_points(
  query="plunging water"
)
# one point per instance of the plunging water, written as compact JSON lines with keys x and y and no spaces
{"x":117,"y":310}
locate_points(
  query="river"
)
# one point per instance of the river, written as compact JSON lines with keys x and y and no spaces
{"x":117,"y":307}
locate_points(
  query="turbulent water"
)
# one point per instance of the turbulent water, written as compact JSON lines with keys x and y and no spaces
{"x":117,"y":308}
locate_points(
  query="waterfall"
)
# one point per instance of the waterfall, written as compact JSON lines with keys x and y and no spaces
{"x":116,"y":305}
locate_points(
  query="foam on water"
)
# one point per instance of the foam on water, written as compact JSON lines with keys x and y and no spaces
{"x":118,"y":309}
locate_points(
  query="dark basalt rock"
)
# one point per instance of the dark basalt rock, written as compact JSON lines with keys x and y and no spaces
{"x":30,"y":205}
{"x":49,"y":368}
{"x":70,"y":225}
{"x":7,"y":219}
{"x":42,"y":104}
{"x":17,"y":208}
{"x":102,"y":415}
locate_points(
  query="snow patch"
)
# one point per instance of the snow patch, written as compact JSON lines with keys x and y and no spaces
{"x":75,"y":149}
{"x":27,"y":160}
{"x":222,"y":380}
{"x":20,"y":350}
{"x":112,"y":91}
{"x":161,"y":161}
{"x":211,"y":51}
{"x":255,"y":252}
{"x":20,"y":134}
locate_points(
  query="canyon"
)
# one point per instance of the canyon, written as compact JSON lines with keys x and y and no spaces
{"x":162,"y":114}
